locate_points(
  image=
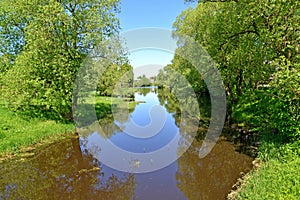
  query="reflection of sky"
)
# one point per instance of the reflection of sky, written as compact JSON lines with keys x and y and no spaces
{"x":138,"y":145}
{"x":141,"y":117}
{"x":152,"y":185}
{"x":161,"y":184}
{"x":124,"y":148}
{"x":141,"y":112}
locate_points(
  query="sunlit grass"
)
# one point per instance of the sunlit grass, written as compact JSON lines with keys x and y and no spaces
{"x":274,"y":180}
{"x":17,"y":132}
{"x":120,"y":102}
{"x":279,"y":174}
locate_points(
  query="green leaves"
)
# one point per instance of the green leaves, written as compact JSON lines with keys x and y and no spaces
{"x":53,"y":38}
{"x":256,"y":47}
{"x":114,"y":75}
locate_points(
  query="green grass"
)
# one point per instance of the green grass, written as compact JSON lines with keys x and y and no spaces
{"x":103,"y":105}
{"x":274,"y":180}
{"x":17,"y":131}
{"x":279,"y":174}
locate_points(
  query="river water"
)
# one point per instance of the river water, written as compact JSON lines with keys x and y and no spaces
{"x":73,"y":169}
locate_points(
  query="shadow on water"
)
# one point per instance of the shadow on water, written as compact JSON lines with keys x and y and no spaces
{"x":62,"y":171}
{"x":68,"y":170}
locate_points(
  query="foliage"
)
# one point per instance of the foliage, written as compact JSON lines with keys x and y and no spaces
{"x":56,"y":36}
{"x":115,"y":76}
{"x":143,"y":81}
{"x":278,"y":178}
{"x":255,"y":45}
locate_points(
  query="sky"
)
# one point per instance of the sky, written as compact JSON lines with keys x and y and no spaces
{"x":149,"y":13}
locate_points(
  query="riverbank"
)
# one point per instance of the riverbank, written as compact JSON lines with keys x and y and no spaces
{"x":18,"y":132}
{"x":276,"y":174}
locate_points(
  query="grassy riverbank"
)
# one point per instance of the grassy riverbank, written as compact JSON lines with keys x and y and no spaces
{"x":17,"y":131}
{"x":277,"y":177}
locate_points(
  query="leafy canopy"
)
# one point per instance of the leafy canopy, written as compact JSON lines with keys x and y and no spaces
{"x":44,"y":44}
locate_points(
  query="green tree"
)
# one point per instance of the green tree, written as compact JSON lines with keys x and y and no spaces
{"x":115,"y":76}
{"x":233,"y":44}
{"x":255,"y":45}
{"x":57,"y":36}
{"x":143,"y":81}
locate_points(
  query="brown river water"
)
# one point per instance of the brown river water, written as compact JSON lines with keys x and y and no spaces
{"x":69,"y":170}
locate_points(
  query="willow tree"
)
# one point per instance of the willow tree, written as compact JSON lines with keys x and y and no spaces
{"x":255,"y":45}
{"x":231,"y":41}
{"x":49,"y":40}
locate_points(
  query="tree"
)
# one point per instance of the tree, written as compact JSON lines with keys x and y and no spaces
{"x":143,"y":81}
{"x":236,"y":50}
{"x":115,"y":76}
{"x":14,"y":18}
{"x":254,"y":43}
{"x":57,"y":36}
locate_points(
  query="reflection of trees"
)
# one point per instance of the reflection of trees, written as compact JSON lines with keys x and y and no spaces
{"x":105,"y":127}
{"x":212,"y":176}
{"x":110,"y":124}
{"x":143,"y":91}
{"x":169,"y":101}
{"x":176,"y":105}
{"x":119,"y":111}
{"x":183,"y":80}
{"x":182,"y":107}
{"x":62,"y":172}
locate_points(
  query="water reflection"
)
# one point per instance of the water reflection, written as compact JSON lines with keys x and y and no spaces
{"x":150,"y":128}
{"x":213,"y":176}
{"x":63,"y":171}
{"x":71,"y":170}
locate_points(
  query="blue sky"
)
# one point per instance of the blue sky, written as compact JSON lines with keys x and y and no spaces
{"x":149,"y":13}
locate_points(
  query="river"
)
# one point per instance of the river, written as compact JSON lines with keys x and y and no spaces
{"x":74,"y":169}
